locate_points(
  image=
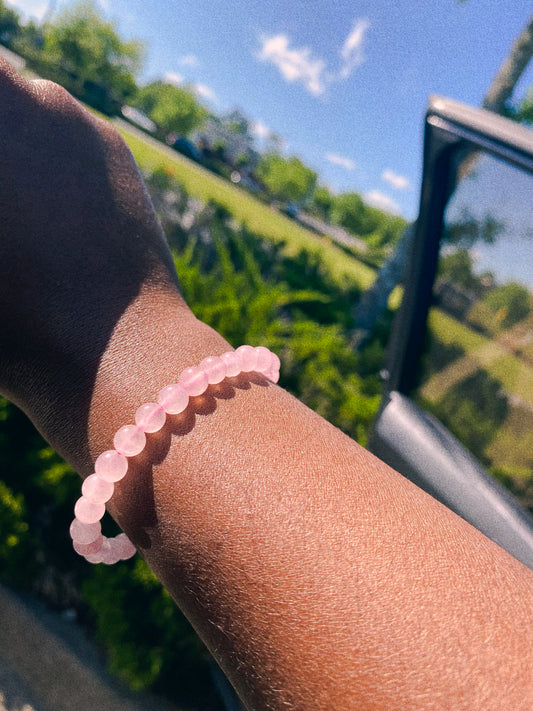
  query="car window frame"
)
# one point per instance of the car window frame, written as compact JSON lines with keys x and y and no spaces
{"x":449,"y":127}
{"x":406,"y":436}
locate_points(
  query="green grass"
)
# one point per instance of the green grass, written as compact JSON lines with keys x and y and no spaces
{"x":246,"y":209}
{"x":451,"y":332}
{"x":512,"y":445}
{"x":515,"y":374}
{"x":448,"y":377}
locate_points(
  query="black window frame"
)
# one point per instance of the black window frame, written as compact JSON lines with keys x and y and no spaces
{"x":449,"y":127}
{"x":406,"y":436}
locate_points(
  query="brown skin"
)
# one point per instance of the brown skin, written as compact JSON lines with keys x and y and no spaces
{"x":320,"y":578}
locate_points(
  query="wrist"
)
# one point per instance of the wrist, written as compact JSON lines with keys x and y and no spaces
{"x":77,"y":395}
{"x":155,"y":339}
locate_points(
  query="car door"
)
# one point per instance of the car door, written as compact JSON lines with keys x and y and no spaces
{"x":457,"y":412}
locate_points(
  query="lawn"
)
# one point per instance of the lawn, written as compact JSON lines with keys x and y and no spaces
{"x":246,"y":209}
{"x":514,"y":373}
{"x":450,"y":331}
{"x":512,"y":443}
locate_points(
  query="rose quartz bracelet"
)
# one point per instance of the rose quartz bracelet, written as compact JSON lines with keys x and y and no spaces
{"x":130,"y":440}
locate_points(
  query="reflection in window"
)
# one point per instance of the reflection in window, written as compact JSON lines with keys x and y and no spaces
{"x":478,"y":369}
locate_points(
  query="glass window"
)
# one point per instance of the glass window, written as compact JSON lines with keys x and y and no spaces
{"x":477,"y":371}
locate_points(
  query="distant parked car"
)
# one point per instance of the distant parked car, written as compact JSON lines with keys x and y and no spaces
{"x":187,"y":149}
{"x":291,"y":210}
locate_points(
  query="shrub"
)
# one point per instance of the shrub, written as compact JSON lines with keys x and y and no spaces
{"x":149,"y":642}
{"x":250,"y":291}
{"x":15,"y":541}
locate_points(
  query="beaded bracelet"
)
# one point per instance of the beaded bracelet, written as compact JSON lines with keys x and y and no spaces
{"x":130,"y":440}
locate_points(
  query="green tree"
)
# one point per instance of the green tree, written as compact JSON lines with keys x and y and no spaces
{"x":9,"y":24}
{"x":237,"y":122}
{"x":496,"y":99}
{"x":171,"y":107}
{"x":510,"y":71}
{"x":91,"y":53}
{"x":322,"y":202}
{"x":350,"y":212}
{"x":523,"y":111}
{"x":458,"y":267}
{"x":390,"y":229}
{"x":468,"y":229}
{"x":286,"y":179}
{"x":512,"y":300}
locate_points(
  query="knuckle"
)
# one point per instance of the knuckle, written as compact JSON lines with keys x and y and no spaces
{"x":48,"y":92}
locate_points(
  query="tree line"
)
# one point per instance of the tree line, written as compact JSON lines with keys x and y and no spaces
{"x":84,"y":52}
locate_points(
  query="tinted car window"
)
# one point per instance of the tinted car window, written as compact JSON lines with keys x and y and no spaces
{"x":477,"y":372}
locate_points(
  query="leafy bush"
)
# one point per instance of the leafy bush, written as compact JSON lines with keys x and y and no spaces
{"x":14,"y":534}
{"x":519,"y":482}
{"x":474,"y":410}
{"x":250,"y":291}
{"x":512,"y":301}
{"x":43,"y":490}
{"x":149,"y":642}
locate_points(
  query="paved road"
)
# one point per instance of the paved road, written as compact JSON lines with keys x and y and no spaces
{"x":46,"y":669}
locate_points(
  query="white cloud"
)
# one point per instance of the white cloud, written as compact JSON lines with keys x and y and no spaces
{"x":260,"y":130}
{"x":205,"y":92}
{"x":336,"y":159}
{"x":38,"y":8}
{"x":201,"y":90}
{"x":375,"y":198}
{"x":173,"y":78}
{"x":299,"y":65}
{"x":399,"y":182}
{"x":296,"y":65}
{"x":189,"y":60}
{"x":31,"y":8}
{"x":352,"y":49}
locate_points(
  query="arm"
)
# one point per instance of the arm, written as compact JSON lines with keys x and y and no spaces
{"x":317,"y":576}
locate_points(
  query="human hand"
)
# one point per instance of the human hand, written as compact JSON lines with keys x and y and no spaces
{"x":79,"y":242}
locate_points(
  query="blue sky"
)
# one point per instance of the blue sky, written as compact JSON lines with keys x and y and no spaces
{"x":345,"y":84}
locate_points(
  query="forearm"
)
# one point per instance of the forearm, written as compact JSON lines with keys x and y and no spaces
{"x":318,"y":577}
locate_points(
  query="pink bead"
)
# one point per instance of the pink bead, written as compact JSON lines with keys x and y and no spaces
{"x":87,"y":512}
{"x":249,"y":358}
{"x":233,"y":363}
{"x":94,"y":557}
{"x":215,"y":369}
{"x":129,"y":440}
{"x":275,"y":362}
{"x":104,"y":550}
{"x":110,"y":553}
{"x":150,"y":417}
{"x":111,"y":466}
{"x":194,"y":381}
{"x":124,"y":546}
{"x":84,"y":533}
{"x":264,"y":359}
{"x":97,"y":490}
{"x":173,"y":399}
{"x":89,"y":548}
